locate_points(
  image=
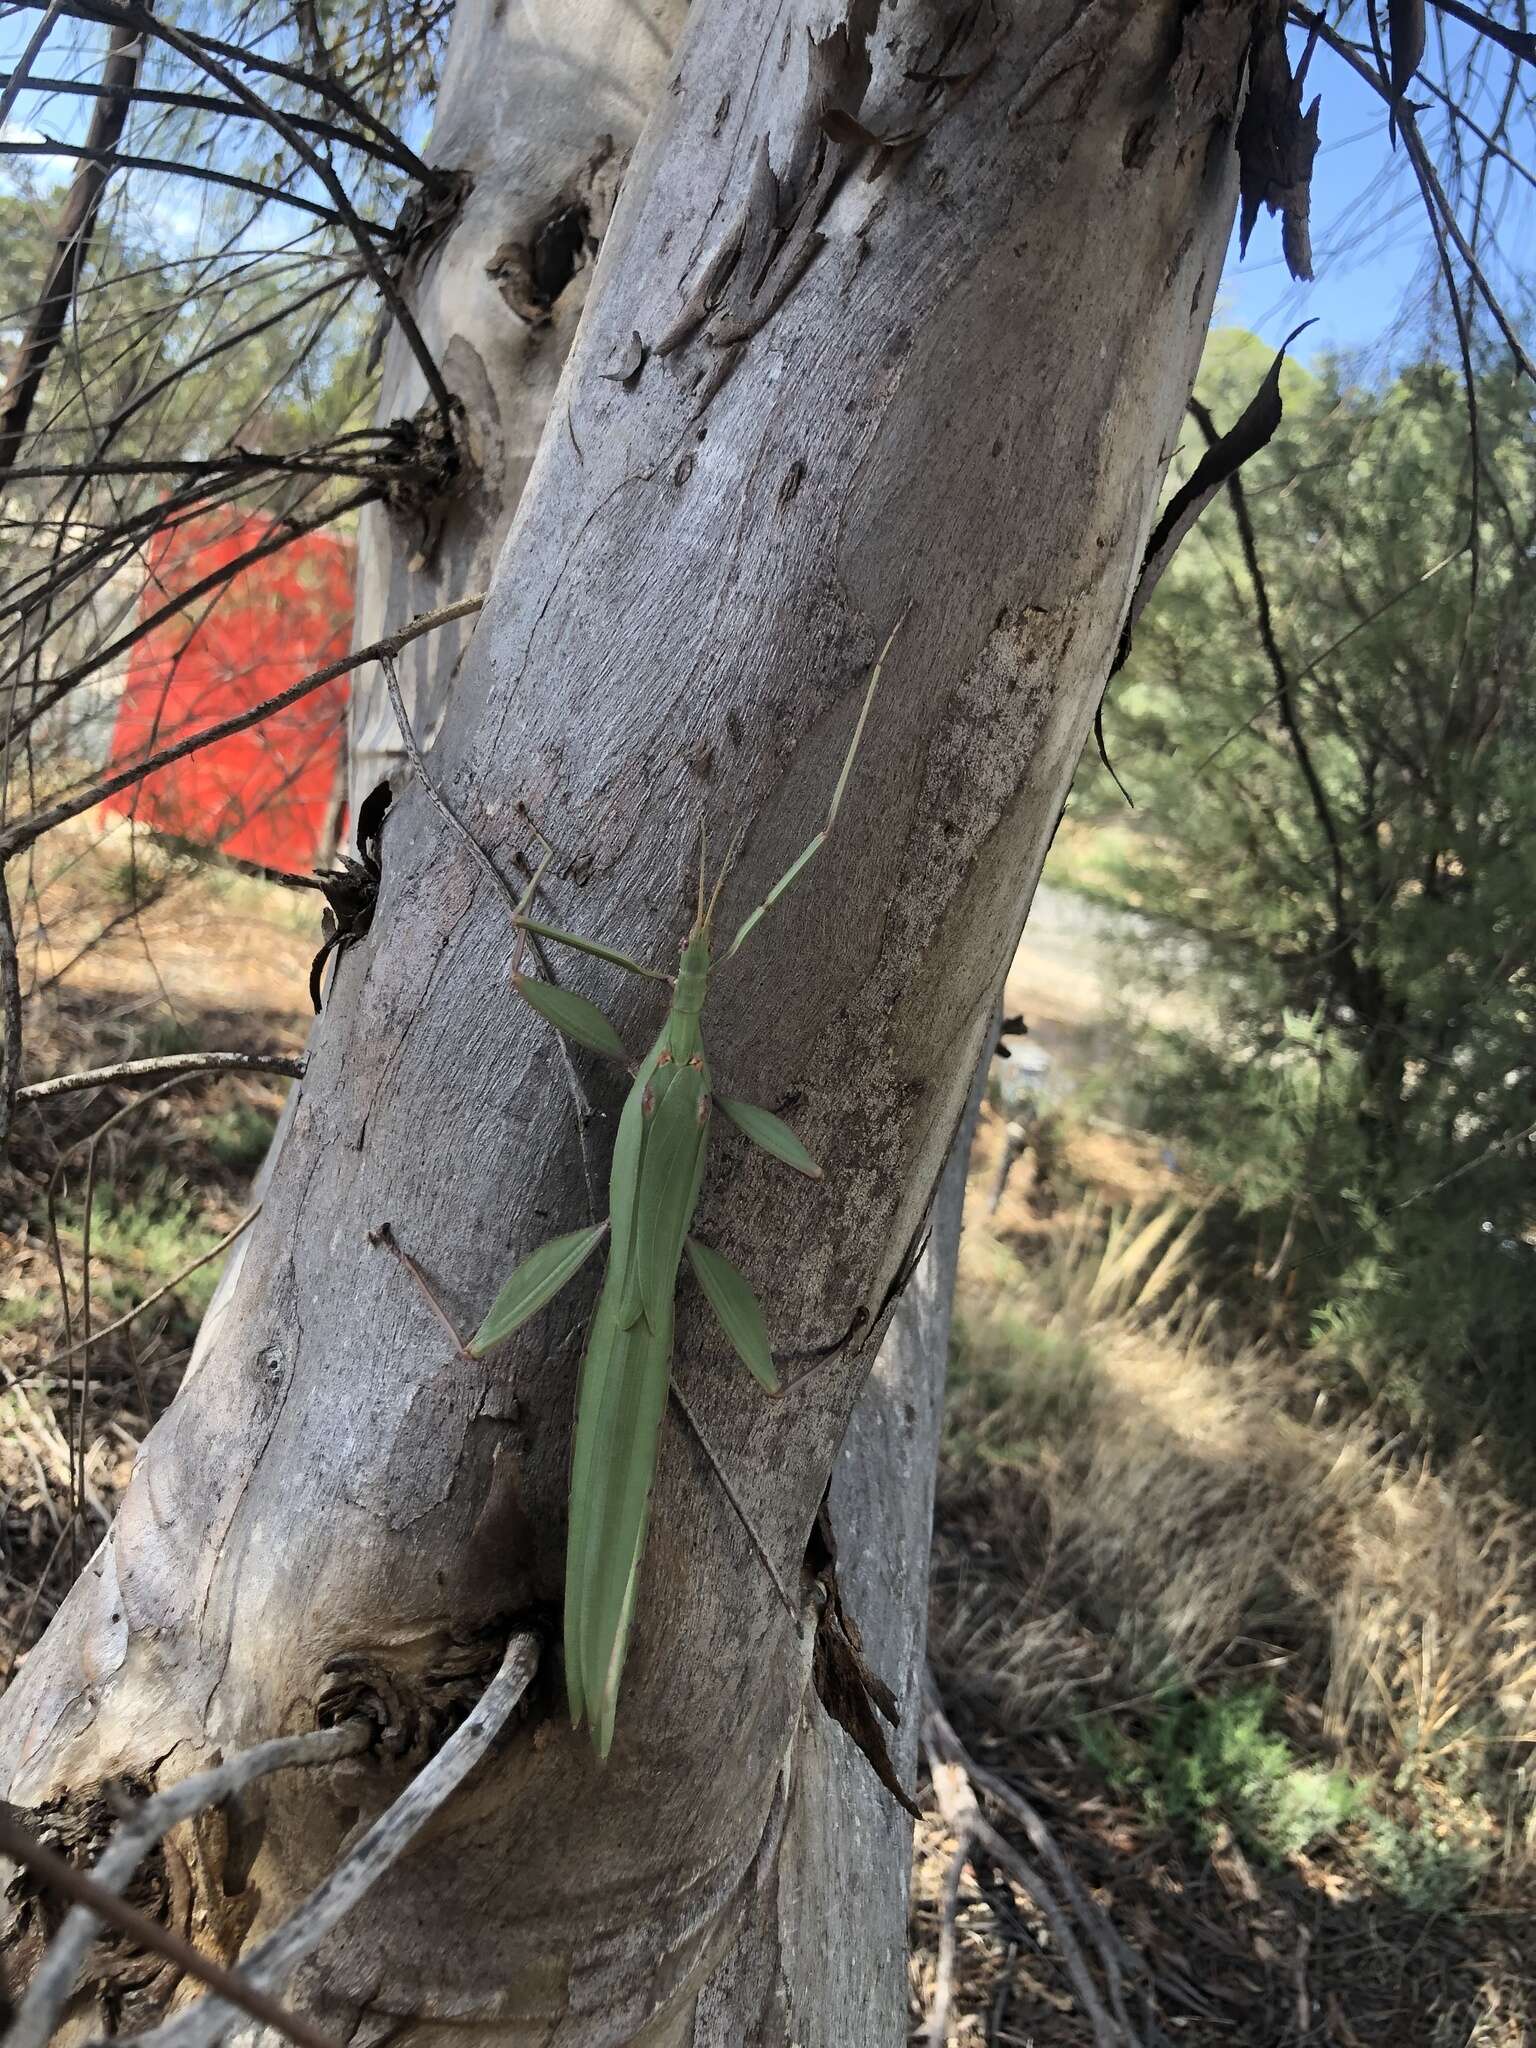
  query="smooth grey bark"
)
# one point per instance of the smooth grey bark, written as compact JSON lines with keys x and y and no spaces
{"x":960,"y":399}
{"x":540,"y":107}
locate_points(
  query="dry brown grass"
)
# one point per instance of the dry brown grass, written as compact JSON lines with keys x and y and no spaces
{"x":126,"y":950}
{"x":1131,"y":1515}
{"x":1168,"y":1510}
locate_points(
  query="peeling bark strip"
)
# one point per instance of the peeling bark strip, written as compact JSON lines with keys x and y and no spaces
{"x":1277,"y":142}
{"x":777,"y":233}
{"x":969,"y":385}
{"x":1253,"y":430}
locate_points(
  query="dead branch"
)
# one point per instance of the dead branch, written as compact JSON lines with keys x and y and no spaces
{"x":72,"y":243}
{"x":366,"y":1862}
{"x":1519,"y":42}
{"x":54,"y":1979}
{"x":192,"y":102}
{"x":167,"y":1287}
{"x":27,"y":830}
{"x":259,"y":61}
{"x":188,"y":1066}
{"x":16,"y":838}
{"x":199,"y":54}
{"x":1436,"y":199}
{"x":62,"y":1876}
{"x":155,"y":519}
{"x":106,"y":159}
{"x":10,"y":1007}
{"x":1284,"y":696}
{"x":954,"y":1779}
{"x":21,"y":75}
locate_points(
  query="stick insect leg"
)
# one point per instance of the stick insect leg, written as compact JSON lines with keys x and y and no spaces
{"x":504,"y":889}
{"x":742,"y":1516}
{"x":384,"y":1236}
{"x":804,"y":858}
{"x":526,"y":924}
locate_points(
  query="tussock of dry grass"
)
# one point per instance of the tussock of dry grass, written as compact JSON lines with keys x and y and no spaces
{"x":1137,"y":1524}
{"x":1127,"y":1510}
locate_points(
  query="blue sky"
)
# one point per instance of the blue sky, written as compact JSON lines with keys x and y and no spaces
{"x":1372,"y":252}
{"x":1371,"y":295}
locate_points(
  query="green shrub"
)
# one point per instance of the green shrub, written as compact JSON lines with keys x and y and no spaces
{"x":1331,"y":875}
{"x":1204,"y":1762}
{"x":238,"y":1138}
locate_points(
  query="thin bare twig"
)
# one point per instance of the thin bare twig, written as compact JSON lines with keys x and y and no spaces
{"x":795,"y":1613}
{"x":1318,"y":660}
{"x":63,"y":1877}
{"x":508,"y":896}
{"x":1436,"y":199}
{"x":954,"y":1777}
{"x":193,"y":102}
{"x":159,"y":1294}
{"x":154,"y":519}
{"x":174,"y":1066}
{"x":22,"y":834}
{"x":1283,"y":692}
{"x":378,"y":269}
{"x":132,"y":23}
{"x":72,"y":243}
{"x":78,"y":1439}
{"x":365,"y":1863}
{"x":19,"y":77}
{"x":1519,"y":43}
{"x":10,"y":1008}
{"x":435,"y":796}
{"x":258,"y":61}
{"x":92,"y":1138}
{"x":199,"y":173}
{"x":53,"y":1981}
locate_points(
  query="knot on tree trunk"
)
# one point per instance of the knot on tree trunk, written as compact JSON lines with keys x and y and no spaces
{"x":413,"y":1698}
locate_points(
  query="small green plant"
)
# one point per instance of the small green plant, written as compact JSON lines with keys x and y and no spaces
{"x":163,"y":1037}
{"x":1203,"y":1762}
{"x":22,"y":1312}
{"x":1437,"y":1844}
{"x":238,"y":1138}
{"x":140,"y":1237}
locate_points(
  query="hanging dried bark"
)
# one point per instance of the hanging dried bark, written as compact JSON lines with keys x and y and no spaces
{"x":1276,"y":143}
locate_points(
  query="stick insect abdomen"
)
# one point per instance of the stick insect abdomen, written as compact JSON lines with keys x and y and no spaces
{"x":658,"y":1169}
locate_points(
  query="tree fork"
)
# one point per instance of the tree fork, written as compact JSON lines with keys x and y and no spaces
{"x":536,"y":117}
{"x":943,"y":371}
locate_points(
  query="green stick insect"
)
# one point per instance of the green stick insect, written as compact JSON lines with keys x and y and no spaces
{"x":658,"y":1165}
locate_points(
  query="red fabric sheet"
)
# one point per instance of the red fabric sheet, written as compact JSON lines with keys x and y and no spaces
{"x":264,"y":795}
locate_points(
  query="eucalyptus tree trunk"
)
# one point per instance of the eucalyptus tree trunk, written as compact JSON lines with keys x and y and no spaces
{"x":820,"y":384}
{"x":538,"y":113}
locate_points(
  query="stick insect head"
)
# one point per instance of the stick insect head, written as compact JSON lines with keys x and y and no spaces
{"x":693,"y":969}
{"x":708,"y":898}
